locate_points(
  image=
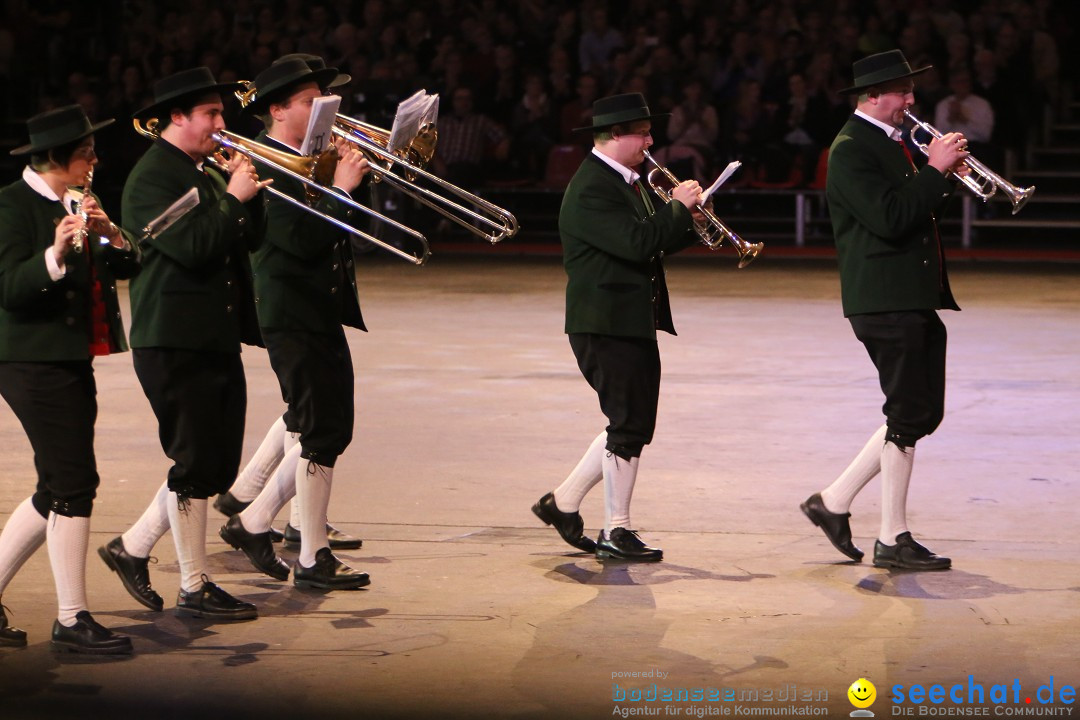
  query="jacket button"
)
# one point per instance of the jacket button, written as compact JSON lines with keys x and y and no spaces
{"x":69,"y":320}
{"x":69,"y":294}
{"x":333,"y":290}
{"x":241,"y":221}
{"x":926,"y":241}
{"x":925,"y":263}
{"x":228,"y":283}
{"x":228,"y":259}
{"x":335,"y":267}
{"x":228,"y":308}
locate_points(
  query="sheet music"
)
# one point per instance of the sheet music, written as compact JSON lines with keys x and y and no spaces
{"x":728,"y":172}
{"x":174,"y":212}
{"x":413,"y":112}
{"x":320,"y":129}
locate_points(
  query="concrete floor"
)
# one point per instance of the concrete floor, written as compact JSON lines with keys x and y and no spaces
{"x":470,"y":407}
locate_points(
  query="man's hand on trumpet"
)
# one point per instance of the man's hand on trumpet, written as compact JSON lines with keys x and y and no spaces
{"x":244,"y":182}
{"x":351,"y":168}
{"x":688,"y":192}
{"x":948,"y":153}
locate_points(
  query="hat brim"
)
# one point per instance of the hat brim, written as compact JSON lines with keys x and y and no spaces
{"x":174,"y":100}
{"x":324,"y":78}
{"x":859,"y":88}
{"x":595,"y":128}
{"x":29,"y":148}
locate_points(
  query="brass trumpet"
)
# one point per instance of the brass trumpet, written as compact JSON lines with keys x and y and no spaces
{"x":316,"y":173}
{"x":982,"y":181}
{"x":713,"y":232}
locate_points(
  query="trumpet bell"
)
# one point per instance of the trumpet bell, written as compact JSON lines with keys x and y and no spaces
{"x":1017,"y":196}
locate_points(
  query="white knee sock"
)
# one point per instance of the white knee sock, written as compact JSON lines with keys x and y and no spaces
{"x":253,"y":477}
{"x":291,"y":441}
{"x":23,"y":534}
{"x":189,"y":534}
{"x":838,"y":496}
{"x":281,"y":488}
{"x":896,"y":464}
{"x":140,"y":538}
{"x":583,"y":477}
{"x":619,"y":477}
{"x":68,"y":538}
{"x":294,"y":511}
{"x":313,"y":483}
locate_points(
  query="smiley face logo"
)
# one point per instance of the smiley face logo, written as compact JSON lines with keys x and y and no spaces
{"x":862,"y":693}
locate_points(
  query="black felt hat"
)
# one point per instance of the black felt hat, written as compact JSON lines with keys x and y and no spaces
{"x":619,"y":109}
{"x":274,"y":82}
{"x":58,"y":127}
{"x":172,"y":91}
{"x":317,"y":63}
{"x":879,"y":69}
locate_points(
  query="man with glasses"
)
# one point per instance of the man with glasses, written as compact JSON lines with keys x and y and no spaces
{"x":893,"y":280}
{"x":614,"y":239}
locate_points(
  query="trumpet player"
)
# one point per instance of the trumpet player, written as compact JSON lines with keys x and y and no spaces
{"x":192,"y":308}
{"x":58,"y":311}
{"x":614,"y":238}
{"x":893,"y":281}
{"x":305,"y":285}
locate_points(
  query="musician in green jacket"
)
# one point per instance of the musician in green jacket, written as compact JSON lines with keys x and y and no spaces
{"x":191,"y":309}
{"x":59,"y":258}
{"x":614,"y":238}
{"x":893,"y":280}
{"x":305,"y":287}
{"x":271,"y":451}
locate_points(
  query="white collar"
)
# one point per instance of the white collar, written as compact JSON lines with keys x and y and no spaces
{"x":628,"y":175}
{"x":33,"y":179}
{"x":892,"y":132}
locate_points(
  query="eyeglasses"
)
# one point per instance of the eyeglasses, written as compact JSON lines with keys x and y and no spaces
{"x":86,"y":152}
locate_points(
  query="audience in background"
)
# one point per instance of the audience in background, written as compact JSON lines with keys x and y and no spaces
{"x":753,"y":81}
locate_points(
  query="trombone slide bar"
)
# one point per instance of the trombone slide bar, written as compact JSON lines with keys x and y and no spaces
{"x":226,"y":139}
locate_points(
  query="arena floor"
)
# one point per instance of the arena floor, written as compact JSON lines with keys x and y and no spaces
{"x":470,"y":407}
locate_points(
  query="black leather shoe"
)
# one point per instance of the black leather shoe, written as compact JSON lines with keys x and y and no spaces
{"x":134,"y":572}
{"x":210,"y":601}
{"x":276,"y":536}
{"x":329,"y":573}
{"x":337,"y":539}
{"x":834,"y":525}
{"x":907,"y":554}
{"x":623,"y":544}
{"x":87,"y":636}
{"x":570,"y":525}
{"x":256,"y":546}
{"x":10,"y":636}
{"x":227,"y":504}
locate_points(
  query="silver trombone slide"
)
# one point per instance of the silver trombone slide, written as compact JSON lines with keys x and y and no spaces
{"x":225,"y":141}
{"x":508,"y":227}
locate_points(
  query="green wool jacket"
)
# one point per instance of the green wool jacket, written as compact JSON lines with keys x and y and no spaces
{"x":882,"y":214}
{"x":612,"y":252}
{"x":42,"y":320}
{"x":194,"y":290}
{"x":304,"y":273}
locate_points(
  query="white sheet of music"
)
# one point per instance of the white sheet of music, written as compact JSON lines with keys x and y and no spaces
{"x":320,"y":129}
{"x":174,"y":212}
{"x":413,"y":112}
{"x":728,"y":172}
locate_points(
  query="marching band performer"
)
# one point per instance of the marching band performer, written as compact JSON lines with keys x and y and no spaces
{"x":59,"y":257}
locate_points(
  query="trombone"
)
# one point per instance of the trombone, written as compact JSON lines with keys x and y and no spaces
{"x":982,"y":181}
{"x":316,"y":174}
{"x":484,"y":218}
{"x":492,"y":222}
{"x":712,"y":232}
